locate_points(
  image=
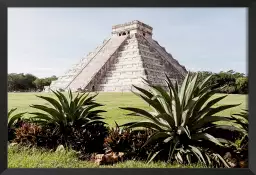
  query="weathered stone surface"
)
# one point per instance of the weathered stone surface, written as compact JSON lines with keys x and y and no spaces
{"x":122,"y":61}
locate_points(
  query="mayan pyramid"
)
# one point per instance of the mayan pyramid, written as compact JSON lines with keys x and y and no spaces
{"x":121,"y":61}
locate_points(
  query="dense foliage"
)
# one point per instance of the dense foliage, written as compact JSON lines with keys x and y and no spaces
{"x":88,"y":139}
{"x":128,"y":141}
{"x":27,"y":82}
{"x":229,"y":82}
{"x":185,"y":119}
{"x":27,"y":134}
{"x":67,"y":113}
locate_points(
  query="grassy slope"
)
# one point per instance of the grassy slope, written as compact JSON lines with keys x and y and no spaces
{"x":112,"y":101}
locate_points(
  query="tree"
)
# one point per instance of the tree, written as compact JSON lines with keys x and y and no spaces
{"x":27,"y":82}
{"x":227,"y":82}
{"x":39,"y":84}
{"x":242,"y":85}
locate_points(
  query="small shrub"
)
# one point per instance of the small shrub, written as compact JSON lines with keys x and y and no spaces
{"x":48,"y":138}
{"x":31,"y":134}
{"x":128,"y":141}
{"x":140,"y":151}
{"x":117,"y":139}
{"x":27,"y":134}
{"x":88,"y":139}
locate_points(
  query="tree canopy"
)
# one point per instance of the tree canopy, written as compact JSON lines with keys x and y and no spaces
{"x":27,"y":82}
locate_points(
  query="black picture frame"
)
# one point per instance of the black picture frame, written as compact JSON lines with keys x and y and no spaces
{"x":251,"y":9}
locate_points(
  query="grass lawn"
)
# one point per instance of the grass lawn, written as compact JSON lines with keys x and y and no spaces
{"x":112,"y":102}
{"x":33,"y":158}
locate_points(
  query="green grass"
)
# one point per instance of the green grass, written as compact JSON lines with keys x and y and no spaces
{"x":112,"y":102}
{"x":36,"y":158}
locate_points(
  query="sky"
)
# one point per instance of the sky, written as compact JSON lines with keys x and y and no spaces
{"x":48,"y":41}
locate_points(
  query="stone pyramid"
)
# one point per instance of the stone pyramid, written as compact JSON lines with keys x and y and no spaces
{"x":121,"y":61}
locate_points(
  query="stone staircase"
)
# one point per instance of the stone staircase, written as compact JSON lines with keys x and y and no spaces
{"x":125,"y":70}
{"x":64,"y":81}
{"x":97,"y":62}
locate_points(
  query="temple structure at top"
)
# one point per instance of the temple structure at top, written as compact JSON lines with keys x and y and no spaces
{"x":132,"y":28}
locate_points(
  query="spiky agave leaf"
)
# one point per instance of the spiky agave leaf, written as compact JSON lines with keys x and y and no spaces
{"x":186,"y":111}
{"x":68,"y":111}
{"x":242,"y":120}
{"x":12,"y":119}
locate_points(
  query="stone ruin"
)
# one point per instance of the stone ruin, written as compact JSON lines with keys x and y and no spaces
{"x":121,"y":61}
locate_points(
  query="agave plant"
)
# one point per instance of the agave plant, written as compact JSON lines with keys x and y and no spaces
{"x":13,"y":121}
{"x":182,"y":118}
{"x":68,"y":112}
{"x":241,"y":119}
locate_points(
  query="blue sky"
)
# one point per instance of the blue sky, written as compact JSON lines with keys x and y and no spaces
{"x":47,"y":41}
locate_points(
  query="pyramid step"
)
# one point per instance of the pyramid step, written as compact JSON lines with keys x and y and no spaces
{"x":126,"y":68}
{"x":116,"y":82}
{"x":134,"y":71}
{"x":138,"y":76}
{"x":128,"y":60}
{"x":121,"y":66}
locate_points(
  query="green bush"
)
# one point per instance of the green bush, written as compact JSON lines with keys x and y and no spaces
{"x":128,"y":141}
{"x":230,"y":82}
{"x":71,"y":121}
{"x":182,"y":119}
{"x":67,"y":113}
{"x":88,"y":139}
{"x":27,"y":134}
{"x":117,"y":139}
{"x":242,"y":85}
